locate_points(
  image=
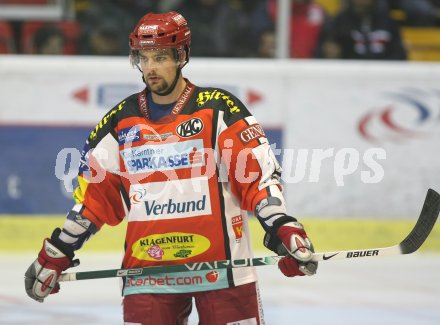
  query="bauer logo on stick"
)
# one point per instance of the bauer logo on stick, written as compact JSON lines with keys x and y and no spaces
{"x":373,"y":252}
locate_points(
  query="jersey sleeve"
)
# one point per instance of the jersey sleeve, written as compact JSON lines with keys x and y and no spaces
{"x":252,"y":168}
{"x":98,"y":194}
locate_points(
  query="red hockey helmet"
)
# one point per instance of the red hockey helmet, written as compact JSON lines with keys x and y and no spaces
{"x":168,"y":30}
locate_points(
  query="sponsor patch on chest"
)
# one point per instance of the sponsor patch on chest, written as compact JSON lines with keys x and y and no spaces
{"x":161,"y":157}
{"x":190,"y":128}
{"x":170,"y":200}
{"x":171,"y":246}
{"x":252,"y":132}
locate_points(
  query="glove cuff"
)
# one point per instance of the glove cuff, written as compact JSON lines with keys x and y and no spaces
{"x":66,"y":249}
{"x":273,"y":243}
{"x":271,"y":239}
{"x":280,"y":222}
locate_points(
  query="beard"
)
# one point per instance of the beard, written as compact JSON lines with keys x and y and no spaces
{"x":159,"y":87}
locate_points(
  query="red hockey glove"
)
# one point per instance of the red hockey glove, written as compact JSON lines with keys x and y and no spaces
{"x":299,"y":249}
{"x":289,"y":266}
{"x":42,"y":275}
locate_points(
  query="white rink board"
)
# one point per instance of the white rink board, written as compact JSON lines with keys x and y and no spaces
{"x":321,"y":106}
{"x":329,"y":103}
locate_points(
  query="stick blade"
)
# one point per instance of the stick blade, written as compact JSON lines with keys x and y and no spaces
{"x":425,"y":223}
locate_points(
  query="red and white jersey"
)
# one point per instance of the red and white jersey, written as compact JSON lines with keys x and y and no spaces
{"x":184,"y":183}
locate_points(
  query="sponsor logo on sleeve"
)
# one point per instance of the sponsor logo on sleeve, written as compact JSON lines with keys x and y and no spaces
{"x":129,"y":135}
{"x":252,"y":132}
{"x":190,"y":128}
{"x":237,"y":225}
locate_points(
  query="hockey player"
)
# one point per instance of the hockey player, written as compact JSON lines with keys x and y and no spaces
{"x":183,"y":164}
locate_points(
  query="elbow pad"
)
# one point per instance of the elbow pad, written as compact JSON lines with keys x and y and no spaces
{"x":77,"y":229}
{"x":271,"y":213}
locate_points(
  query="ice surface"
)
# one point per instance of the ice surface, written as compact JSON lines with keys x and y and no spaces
{"x":399,"y":290}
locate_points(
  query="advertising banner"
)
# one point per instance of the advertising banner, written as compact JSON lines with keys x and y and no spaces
{"x":354,"y":138}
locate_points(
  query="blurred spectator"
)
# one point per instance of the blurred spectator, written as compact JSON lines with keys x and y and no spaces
{"x":24,"y":2}
{"x":307,"y":20}
{"x":106,"y":24}
{"x":421,"y":13}
{"x":104,"y":28}
{"x":7,"y":41}
{"x":267,"y":44}
{"x":54,"y":37}
{"x":242,"y":22}
{"x":227,"y":28}
{"x":106,"y":39}
{"x":138,"y":8}
{"x":362,"y":30}
{"x":49,"y":40}
{"x":206,"y":28}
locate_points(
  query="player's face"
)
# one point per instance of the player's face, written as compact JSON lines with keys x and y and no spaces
{"x":159,"y":68}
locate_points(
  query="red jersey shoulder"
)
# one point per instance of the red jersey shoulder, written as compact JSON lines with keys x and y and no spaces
{"x":220,"y":99}
{"x":109,"y":122}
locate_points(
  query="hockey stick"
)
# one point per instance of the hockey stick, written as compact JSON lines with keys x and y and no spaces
{"x":412,"y":242}
{"x":417,"y":236}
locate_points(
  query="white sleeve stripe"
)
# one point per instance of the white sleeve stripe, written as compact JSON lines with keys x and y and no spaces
{"x":250,"y":120}
{"x":106,"y":154}
{"x":270,"y":168}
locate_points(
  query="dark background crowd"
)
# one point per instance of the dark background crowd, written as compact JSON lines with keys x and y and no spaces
{"x":332,"y":29}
